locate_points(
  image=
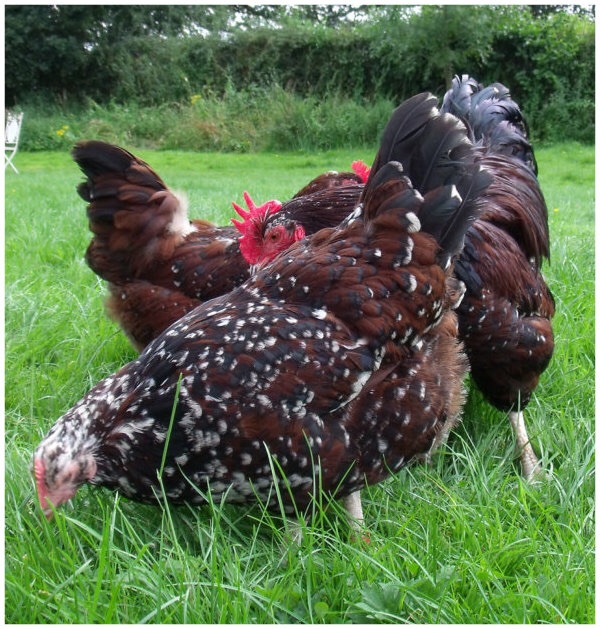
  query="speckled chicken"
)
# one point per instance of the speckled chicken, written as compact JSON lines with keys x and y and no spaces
{"x":332,"y":367}
{"x":505,"y":316}
{"x":158,"y":263}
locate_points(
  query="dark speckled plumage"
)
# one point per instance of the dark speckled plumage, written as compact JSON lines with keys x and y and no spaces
{"x":339,"y":360}
{"x":505,"y":317}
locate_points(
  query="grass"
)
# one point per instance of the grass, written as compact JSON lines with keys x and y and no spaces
{"x":460,"y":541}
{"x":241,"y":121}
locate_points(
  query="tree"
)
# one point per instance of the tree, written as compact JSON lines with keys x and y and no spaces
{"x":62,"y":50}
{"x":45,"y":49}
{"x":544,"y":10}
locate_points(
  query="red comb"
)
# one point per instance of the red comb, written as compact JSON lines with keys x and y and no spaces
{"x":251,"y":227}
{"x":254,"y":214}
{"x":361,"y":169}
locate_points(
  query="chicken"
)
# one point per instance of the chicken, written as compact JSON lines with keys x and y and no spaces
{"x":333,"y":180}
{"x":323,"y":202}
{"x":264,"y":235}
{"x":332,"y":367}
{"x":505,"y":316}
{"x":159,"y":265}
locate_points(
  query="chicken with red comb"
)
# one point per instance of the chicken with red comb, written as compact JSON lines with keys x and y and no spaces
{"x":158,"y":263}
{"x":505,"y":317}
{"x":267,"y":231}
{"x":331,"y":368}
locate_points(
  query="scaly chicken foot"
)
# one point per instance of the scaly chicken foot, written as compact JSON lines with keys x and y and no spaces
{"x":352,"y":504}
{"x":530,"y":464}
{"x":356,"y":519}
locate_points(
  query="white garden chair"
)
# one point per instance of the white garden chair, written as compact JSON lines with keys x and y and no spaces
{"x":12,"y":131}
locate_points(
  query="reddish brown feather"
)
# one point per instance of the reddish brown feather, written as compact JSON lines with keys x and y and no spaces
{"x":130,"y":210}
{"x":505,"y":317}
{"x":144,"y":310}
{"x":139,"y":248}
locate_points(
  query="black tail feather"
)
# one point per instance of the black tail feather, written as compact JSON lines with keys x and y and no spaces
{"x":401,"y":135}
{"x":494,"y":119}
{"x":95,"y":157}
{"x":98,"y":159}
{"x":383,"y":189}
{"x":432,"y":153}
{"x":431,"y":147}
{"x":447,"y":214}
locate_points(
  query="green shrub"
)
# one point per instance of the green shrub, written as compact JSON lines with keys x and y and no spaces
{"x":245,"y":121}
{"x":545,"y":58}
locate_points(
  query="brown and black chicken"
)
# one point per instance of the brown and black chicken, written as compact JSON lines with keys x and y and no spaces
{"x":505,"y":317}
{"x":332,"y":367}
{"x":159,"y":265}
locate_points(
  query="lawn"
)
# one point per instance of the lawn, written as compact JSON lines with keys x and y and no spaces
{"x":463,"y":540}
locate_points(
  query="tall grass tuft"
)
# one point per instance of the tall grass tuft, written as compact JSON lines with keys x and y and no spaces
{"x":252,"y":120}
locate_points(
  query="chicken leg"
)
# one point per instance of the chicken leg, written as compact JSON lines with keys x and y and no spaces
{"x":353,"y":505}
{"x":530,"y":464}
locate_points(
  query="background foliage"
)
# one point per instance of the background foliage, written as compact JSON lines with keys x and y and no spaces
{"x":97,"y":59}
